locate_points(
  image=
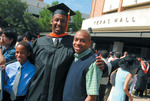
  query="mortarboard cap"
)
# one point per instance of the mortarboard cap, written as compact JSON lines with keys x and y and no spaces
{"x":61,"y":9}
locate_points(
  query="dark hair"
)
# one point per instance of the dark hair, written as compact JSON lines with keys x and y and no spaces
{"x":20,"y":38}
{"x":28,"y":49}
{"x":104,"y":53}
{"x":117,"y":54}
{"x":11,"y":34}
{"x":26,"y":45}
{"x":28,"y":35}
{"x":34,"y":36}
{"x":128,"y":62}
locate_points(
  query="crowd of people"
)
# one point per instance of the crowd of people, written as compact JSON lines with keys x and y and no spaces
{"x":58,"y":67}
{"x":132,"y":73}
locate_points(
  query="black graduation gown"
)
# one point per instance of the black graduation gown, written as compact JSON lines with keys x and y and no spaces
{"x":141,"y":79}
{"x":51,"y":68}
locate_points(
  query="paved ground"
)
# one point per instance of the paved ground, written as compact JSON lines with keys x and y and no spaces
{"x":136,"y":98}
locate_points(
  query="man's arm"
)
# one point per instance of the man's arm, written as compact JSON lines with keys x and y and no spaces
{"x":2,"y":59}
{"x":125,"y":87}
{"x":9,"y":55}
{"x":91,"y":98}
{"x":93,"y":77}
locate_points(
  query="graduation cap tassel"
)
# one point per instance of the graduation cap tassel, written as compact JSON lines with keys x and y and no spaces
{"x":68,"y":20}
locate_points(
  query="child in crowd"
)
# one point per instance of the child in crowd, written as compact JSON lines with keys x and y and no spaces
{"x":23,"y":66}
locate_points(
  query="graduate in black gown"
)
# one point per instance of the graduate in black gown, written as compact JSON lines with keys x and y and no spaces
{"x":142,"y":77}
{"x":53,"y":56}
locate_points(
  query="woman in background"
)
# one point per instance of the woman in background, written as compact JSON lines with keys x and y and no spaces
{"x":123,"y":78}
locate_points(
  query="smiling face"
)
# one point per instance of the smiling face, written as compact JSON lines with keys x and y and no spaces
{"x":82,"y":41}
{"x":59,"y":23}
{"x":21,"y":54}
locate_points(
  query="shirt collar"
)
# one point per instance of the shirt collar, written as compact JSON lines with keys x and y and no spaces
{"x":78,"y":56}
{"x":58,"y":39}
{"x":24,"y":65}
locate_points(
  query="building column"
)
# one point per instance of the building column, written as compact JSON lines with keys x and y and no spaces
{"x":145,"y":52}
{"x":120,"y":8}
{"x":118,"y":46}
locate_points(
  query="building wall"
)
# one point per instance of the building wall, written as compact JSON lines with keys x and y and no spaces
{"x":36,"y":3}
{"x":35,"y":6}
{"x":97,"y":8}
{"x":100,"y":7}
{"x":134,"y":17}
{"x":123,"y":27}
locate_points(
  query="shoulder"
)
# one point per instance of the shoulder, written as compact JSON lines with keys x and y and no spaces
{"x":29,"y":65}
{"x":125,"y":71}
{"x":11,"y":50}
{"x":93,"y":66}
{"x":117,"y":60}
{"x":93,"y":57}
{"x":32,"y":66}
{"x":41,"y":39}
{"x":89,"y":60}
{"x":128,"y":76}
{"x":12,"y":66}
{"x":68,"y":38}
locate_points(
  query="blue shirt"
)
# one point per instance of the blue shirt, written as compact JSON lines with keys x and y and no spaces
{"x":27,"y":73}
{"x":30,"y":43}
{"x":9,"y":54}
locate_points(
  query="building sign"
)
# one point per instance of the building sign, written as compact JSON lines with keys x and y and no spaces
{"x":115,"y":20}
{"x":127,"y":20}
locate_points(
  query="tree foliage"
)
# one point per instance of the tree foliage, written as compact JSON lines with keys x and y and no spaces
{"x":76,"y":21}
{"x":13,"y":14}
{"x":31,"y":23}
{"x":45,"y":18}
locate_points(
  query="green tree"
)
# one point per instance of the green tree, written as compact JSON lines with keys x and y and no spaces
{"x":55,"y":3}
{"x":13,"y":14}
{"x":45,"y":18}
{"x":76,"y":21}
{"x":30,"y":23}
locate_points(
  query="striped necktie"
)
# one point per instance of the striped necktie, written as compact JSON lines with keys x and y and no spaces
{"x":15,"y":86}
{"x":56,"y":41}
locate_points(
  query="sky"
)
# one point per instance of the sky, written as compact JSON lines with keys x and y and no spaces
{"x":84,"y":6}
